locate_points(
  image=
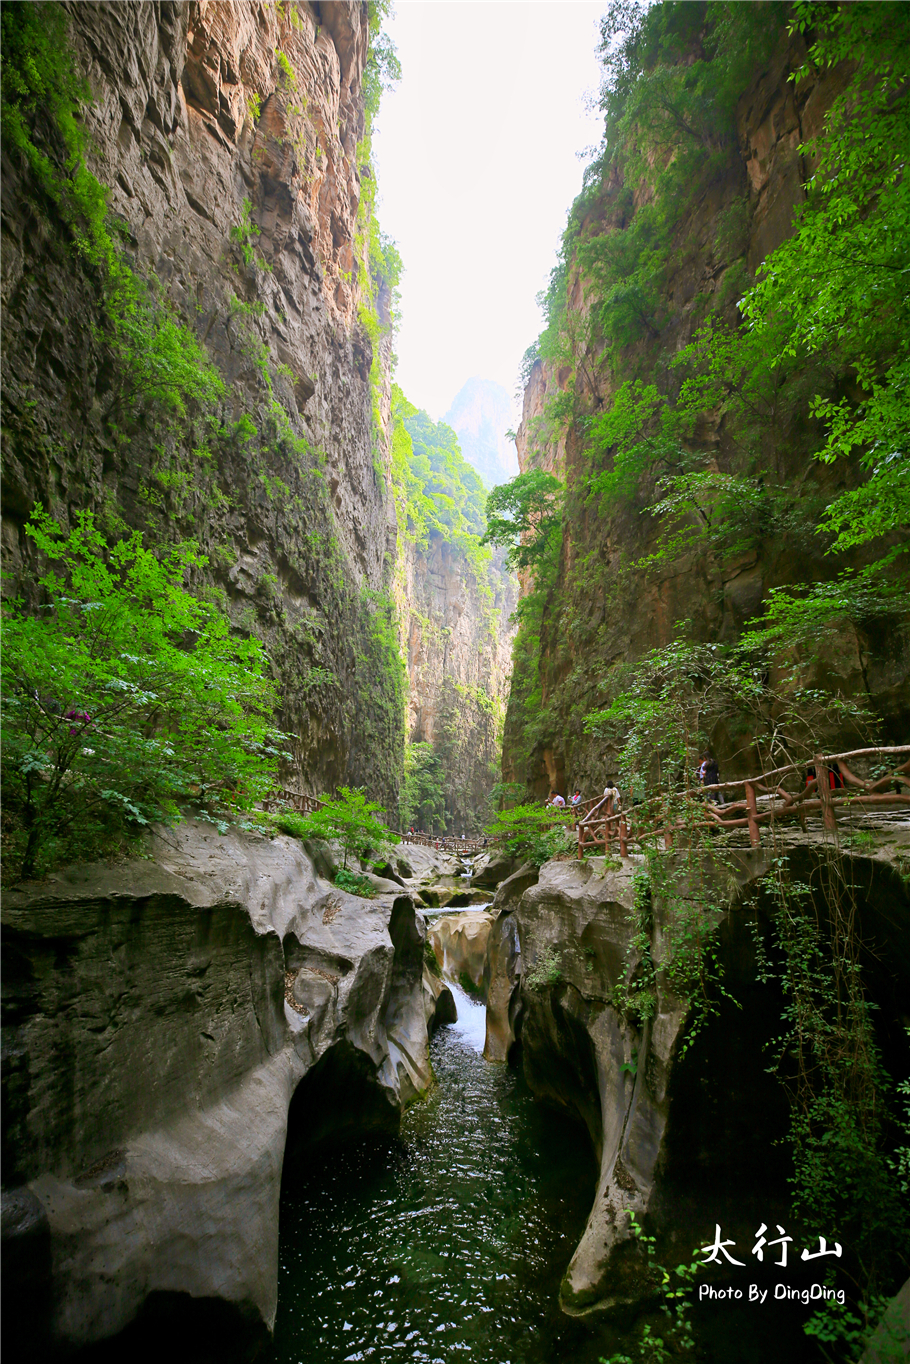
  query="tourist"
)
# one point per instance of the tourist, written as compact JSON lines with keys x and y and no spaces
{"x":576,"y":798}
{"x":555,"y":799}
{"x":709,"y":775}
{"x":612,"y":796}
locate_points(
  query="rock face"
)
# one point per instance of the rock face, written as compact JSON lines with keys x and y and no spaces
{"x":459,"y":661}
{"x":158,"y":1018}
{"x":459,"y":942}
{"x":687,"y":1135}
{"x":503,"y":967}
{"x":228,"y":136}
{"x":599,"y":612}
{"x":481,"y":413}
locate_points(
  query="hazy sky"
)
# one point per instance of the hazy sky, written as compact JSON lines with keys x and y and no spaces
{"x":476,"y":154}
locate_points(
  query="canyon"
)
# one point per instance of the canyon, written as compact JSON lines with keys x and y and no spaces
{"x":191,"y":1023}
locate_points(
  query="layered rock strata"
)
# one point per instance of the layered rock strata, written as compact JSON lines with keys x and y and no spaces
{"x":229,"y":137}
{"x":158,"y":1019}
{"x":458,"y":650}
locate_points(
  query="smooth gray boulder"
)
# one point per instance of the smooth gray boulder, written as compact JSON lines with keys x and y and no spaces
{"x":491,"y":868}
{"x":160,"y":1015}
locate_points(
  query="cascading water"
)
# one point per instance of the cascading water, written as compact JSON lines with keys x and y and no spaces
{"x":448,"y":1242}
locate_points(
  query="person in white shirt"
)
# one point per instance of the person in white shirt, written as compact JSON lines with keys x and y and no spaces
{"x":555,"y":799}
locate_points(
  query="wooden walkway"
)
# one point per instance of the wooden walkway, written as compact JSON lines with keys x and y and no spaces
{"x":765,"y":800}
{"x":756,"y":801}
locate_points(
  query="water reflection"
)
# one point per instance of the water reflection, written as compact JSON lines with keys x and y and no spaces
{"x":448,"y":1243}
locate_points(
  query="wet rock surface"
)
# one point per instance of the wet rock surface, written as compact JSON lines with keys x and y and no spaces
{"x":159,"y":1017}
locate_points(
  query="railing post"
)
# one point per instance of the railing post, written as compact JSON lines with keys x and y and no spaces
{"x":623,"y":837}
{"x":752,"y":806}
{"x":829,"y":816}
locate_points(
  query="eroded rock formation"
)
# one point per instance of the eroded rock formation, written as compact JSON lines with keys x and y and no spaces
{"x":459,"y":942}
{"x":685,"y":1135}
{"x":159,"y":1017}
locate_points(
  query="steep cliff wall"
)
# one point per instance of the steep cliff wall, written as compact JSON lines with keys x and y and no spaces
{"x":643,"y":272}
{"x":230,"y":137}
{"x":459,"y":647}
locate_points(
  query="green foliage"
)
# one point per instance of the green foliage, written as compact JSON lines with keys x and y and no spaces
{"x":351,"y":820}
{"x":354,"y":884}
{"x":536,"y":832}
{"x":636,"y":994}
{"x":839,"y":280}
{"x":437,"y":491}
{"x":676,"y":1306}
{"x":383,"y":69}
{"x":827,"y":1059}
{"x":468,"y":985}
{"x":423,"y":798}
{"x":429,"y":959}
{"x":666,"y":707}
{"x":545,"y":972}
{"x":245,"y":233}
{"x":159,"y":359}
{"x":526,"y":515}
{"x":125,"y":694}
{"x":836,"y":1325}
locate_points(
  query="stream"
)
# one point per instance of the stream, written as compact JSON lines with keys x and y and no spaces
{"x":448,"y":1242}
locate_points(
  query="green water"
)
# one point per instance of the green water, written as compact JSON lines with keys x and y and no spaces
{"x":447,"y":1244}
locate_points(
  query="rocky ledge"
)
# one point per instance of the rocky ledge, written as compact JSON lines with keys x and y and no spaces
{"x":158,"y":1019}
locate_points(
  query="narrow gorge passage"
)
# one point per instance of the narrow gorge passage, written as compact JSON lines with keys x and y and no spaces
{"x":448,"y":1242}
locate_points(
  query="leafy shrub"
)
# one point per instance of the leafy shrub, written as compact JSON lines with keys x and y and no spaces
{"x":546,"y":971}
{"x":351,"y":820}
{"x":536,"y":832}
{"x":354,"y":883}
{"x":125,"y":693}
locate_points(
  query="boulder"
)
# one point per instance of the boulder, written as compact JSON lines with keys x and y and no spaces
{"x":513,"y":887}
{"x":491,"y":868}
{"x":460,"y":943}
{"x":161,"y":1015}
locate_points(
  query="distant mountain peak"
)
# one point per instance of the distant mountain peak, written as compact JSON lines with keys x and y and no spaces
{"x":481,"y":413}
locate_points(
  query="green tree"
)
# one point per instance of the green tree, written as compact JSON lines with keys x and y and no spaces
{"x":526,"y":516}
{"x":536,"y":832}
{"x":351,"y":820}
{"x":841,"y":278}
{"x":123,"y":694}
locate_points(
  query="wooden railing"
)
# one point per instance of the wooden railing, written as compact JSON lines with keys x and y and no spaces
{"x":603,"y":825}
{"x":282,"y":798}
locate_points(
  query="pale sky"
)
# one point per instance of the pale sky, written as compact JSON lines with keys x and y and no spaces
{"x":476,"y":156}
